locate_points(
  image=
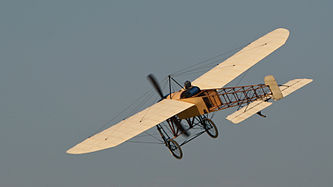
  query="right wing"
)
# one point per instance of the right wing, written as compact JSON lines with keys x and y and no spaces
{"x":244,"y":59}
{"x":131,"y":126}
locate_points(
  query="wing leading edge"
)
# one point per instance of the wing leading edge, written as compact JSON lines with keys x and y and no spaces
{"x":131,"y":126}
{"x":244,"y":59}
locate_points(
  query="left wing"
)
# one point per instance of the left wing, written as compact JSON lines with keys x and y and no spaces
{"x":131,"y":126}
{"x":244,"y":59}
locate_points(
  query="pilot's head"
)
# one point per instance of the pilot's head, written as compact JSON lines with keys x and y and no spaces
{"x":187,"y":85}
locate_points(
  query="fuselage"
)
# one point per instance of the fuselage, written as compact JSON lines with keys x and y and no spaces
{"x":205,"y":101}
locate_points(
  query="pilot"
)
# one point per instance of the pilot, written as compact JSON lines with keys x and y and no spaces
{"x":189,"y":90}
{"x":187,"y":85}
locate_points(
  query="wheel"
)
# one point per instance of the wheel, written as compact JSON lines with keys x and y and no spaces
{"x":175,"y":149}
{"x":210,"y":128}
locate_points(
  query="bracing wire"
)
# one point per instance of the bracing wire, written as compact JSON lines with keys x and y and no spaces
{"x":205,"y":62}
{"x":118,"y":115}
{"x":141,"y":101}
{"x":144,"y":142}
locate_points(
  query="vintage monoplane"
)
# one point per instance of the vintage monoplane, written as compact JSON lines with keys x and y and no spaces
{"x":188,"y":109}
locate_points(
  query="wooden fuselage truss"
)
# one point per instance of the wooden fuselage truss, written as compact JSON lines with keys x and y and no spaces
{"x":212,"y":100}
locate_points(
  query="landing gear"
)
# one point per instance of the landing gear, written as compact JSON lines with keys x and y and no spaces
{"x":210,"y":127}
{"x":175,"y":149}
{"x":171,"y":134}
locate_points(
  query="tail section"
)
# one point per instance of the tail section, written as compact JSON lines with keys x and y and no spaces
{"x":278,"y":92}
{"x":248,"y":111}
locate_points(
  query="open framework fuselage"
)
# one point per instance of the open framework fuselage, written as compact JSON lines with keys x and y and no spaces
{"x":212,"y":100}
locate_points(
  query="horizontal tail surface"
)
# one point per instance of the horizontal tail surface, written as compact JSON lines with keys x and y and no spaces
{"x":258,"y":105}
{"x":248,"y":111}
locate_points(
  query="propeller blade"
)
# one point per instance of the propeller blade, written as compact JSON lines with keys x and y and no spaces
{"x":155,"y":84}
{"x":157,"y":87}
{"x":179,"y":126}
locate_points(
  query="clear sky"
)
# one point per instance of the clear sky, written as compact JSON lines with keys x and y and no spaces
{"x":67,"y":67}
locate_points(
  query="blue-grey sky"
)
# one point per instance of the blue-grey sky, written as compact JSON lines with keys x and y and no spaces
{"x":68,"y":67}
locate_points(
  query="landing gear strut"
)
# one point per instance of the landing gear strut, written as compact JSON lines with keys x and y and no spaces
{"x":175,"y":149}
{"x":198,"y":125}
{"x":210,"y":128}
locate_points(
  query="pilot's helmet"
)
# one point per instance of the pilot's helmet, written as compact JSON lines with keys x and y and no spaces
{"x":187,"y":85}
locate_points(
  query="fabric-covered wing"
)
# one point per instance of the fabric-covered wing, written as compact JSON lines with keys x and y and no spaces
{"x":244,"y":59}
{"x":131,"y":126}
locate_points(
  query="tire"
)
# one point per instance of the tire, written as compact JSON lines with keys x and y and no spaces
{"x":210,"y":128}
{"x":175,"y":149}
